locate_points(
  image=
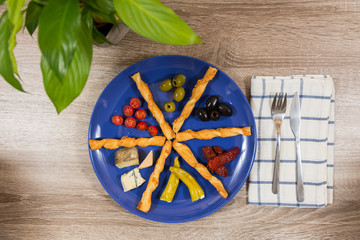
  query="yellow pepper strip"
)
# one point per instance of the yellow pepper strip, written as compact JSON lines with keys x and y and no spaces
{"x":171,"y":186}
{"x":199,"y":190}
{"x":176,"y":162}
{"x":188,"y":183}
{"x":195,"y":190}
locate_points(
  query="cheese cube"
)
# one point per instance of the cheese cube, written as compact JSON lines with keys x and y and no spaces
{"x":126,"y":157}
{"x":148,"y":161}
{"x":131,"y":180}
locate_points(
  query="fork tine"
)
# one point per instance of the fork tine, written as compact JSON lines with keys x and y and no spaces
{"x":283,"y":107}
{"x":274,"y":103}
{"x":278,"y":107}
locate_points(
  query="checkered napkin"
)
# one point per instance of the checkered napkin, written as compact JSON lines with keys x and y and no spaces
{"x":317,"y":96}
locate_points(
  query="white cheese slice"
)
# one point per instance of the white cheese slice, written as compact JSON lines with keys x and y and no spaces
{"x":148,"y":161}
{"x":131,"y":180}
{"x":126,"y":157}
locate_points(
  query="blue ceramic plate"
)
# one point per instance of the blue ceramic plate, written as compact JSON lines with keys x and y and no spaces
{"x":118,"y":94}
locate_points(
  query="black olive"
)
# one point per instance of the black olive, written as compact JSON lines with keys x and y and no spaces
{"x":202,"y":114}
{"x":212,"y":102}
{"x":214,"y":115}
{"x":224,"y":109}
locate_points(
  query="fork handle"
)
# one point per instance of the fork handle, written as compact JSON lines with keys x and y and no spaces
{"x":275,"y":184}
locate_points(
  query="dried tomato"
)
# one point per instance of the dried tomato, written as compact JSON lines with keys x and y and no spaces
{"x":218,"y":150}
{"x":209,"y":153}
{"x":221,"y":170}
{"x":223,"y":158}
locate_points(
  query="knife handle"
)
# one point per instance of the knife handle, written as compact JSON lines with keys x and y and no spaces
{"x":299,"y":174}
{"x":275,"y":184}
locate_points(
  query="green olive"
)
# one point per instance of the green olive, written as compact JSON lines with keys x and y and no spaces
{"x":169,"y":106}
{"x":166,"y":85}
{"x":179,"y":80}
{"x":179,"y":94}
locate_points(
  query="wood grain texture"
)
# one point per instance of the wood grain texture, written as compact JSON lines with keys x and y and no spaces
{"x":48,"y":189}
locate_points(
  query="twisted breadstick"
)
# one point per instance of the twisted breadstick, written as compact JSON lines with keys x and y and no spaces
{"x":154,"y":109}
{"x":145,"y":202}
{"x":195,"y":96}
{"x":111,"y":143}
{"x":212,"y":133}
{"x":189,"y":157}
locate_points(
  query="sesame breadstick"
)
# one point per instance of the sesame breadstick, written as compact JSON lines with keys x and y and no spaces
{"x":212,"y":133}
{"x":195,"y":96}
{"x":145,"y":202}
{"x":111,"y":143}
{"x":154,"y":109}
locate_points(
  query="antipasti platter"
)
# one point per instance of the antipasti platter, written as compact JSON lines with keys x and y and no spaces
{"x":215,"y":145}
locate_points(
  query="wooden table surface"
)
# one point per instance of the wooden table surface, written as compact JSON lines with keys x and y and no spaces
{"x":48,"y":189}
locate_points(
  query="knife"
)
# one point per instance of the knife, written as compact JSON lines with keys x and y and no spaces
{"x":295,"y":124}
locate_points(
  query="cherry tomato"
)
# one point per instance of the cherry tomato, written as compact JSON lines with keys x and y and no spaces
{"x":128,"y":111}
{"x":130,"y":122}
{"x":153,"y":130}
{"x":135,"y":103}
{"x":117,"y":120}
{"x":141,"y":125}
{"x":140,"y":114}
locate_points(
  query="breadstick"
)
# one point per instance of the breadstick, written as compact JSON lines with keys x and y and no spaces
{"x":212,"y":133}
{"x":195,"y":96}
{"x":111,"y":143}
{"x":154,"y":109}
{"x":145,"y":202}
{"x":189,"y":157}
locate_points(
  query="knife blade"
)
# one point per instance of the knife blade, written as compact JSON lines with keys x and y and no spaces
{"x":295,"y":124}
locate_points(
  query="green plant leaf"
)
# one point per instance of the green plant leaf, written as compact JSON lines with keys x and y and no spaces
{"x":41,"y":2}
{"x":98,"y":37}
{"x":153,"y":20}
{"x":14,"y":10}
{"x":33,"y":12}
{"x":86,"y":17}
{"x":2,"y":1}
{"x":62,"y":93}
{"x":16,"y":20}
{"x":103,"y":8}
{"x":59,"y":26}
{"x":6,"y":68}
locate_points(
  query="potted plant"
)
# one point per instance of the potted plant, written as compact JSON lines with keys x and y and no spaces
{"x":67,"y":30}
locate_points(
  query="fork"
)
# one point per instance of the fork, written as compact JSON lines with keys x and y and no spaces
{"x":278,"y":109}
